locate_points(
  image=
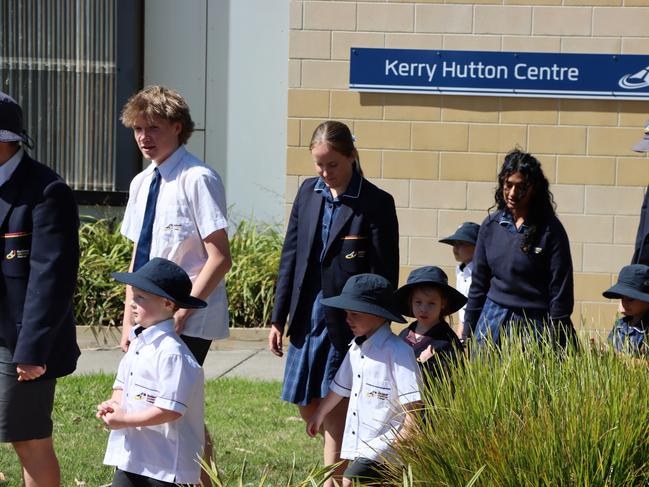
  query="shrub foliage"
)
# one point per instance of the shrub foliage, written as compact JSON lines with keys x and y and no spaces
{"x":251,"y":281}
{"x":529,"y":417}
{"x":99,"y":300}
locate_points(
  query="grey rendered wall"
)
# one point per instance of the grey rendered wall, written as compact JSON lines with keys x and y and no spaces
{"x":229,"y":58}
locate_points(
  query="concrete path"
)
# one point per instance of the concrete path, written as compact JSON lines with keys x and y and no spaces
{"x":244,"y":354}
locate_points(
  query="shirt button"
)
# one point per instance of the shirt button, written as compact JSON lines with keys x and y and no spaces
{"x":359,"y":376}
{"x":355,"y":395}
{"x":354,"y":413}
{"x":353,"y":432}
{"x":362,"y":356}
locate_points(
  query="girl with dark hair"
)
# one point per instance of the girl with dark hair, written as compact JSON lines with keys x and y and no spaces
{"x":340,"y":225}
{"x":522,"y":275}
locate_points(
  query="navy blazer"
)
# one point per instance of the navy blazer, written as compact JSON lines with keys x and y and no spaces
{"x":641,"y":253}
{"x":40,"y":234}
{"x":363,"y":238}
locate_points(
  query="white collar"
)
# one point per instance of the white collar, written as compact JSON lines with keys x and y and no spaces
{"x":378,"y":338}
{"x":153,"y":332}
{"x":167,"y":167}
{"x":7,"y":169}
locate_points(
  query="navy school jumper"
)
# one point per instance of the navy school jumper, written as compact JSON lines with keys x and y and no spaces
{"x":541,"y":280}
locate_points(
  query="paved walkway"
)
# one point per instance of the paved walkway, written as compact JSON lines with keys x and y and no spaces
{"x":244,"y":354}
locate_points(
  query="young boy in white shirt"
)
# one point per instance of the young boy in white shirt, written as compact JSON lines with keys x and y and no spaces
{"x":379,"y":375}
{"x":463,"y":242}
{"x":156,"y":410}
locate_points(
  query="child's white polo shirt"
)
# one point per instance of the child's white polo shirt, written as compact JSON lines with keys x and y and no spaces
{"x":463,"y":283}
{"x":191,"y":206}
{"x":379,"y":377}
{"x":159,"y":370}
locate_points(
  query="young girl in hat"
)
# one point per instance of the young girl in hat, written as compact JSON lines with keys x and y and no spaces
{"x":428,"y":297}
{"x":632,"y":289}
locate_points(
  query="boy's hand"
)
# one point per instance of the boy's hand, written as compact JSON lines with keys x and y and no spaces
{"x":314,"y":425}
{"x":29,"y":372}
{"x":105,"y":408}
{"x":426,"y":354}
{"x":114,"y":417}
{"x":180,"y":317}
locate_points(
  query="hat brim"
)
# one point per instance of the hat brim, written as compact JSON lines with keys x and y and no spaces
{"x":9,"y":136}
{"x":621,"y":290}
{"x":455,"y":300}
{"x":642,"y":146}
{"x":139,"y":282}
{"x":347,"y":302}
{"x":458,"y":237}
{"x":453,"y":239}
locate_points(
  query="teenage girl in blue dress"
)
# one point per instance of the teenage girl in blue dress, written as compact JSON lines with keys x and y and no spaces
{"x":340,"y":225}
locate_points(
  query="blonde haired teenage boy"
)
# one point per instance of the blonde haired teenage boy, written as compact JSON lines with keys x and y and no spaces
{"x":177,"y":210}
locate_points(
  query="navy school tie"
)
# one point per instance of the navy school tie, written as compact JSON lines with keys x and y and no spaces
{"x":144,"y":242}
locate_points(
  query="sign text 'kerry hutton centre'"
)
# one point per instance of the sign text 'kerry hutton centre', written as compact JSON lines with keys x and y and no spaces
{"x":613,"y":76}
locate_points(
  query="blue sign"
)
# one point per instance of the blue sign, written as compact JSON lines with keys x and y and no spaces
{"x":613,"y":76}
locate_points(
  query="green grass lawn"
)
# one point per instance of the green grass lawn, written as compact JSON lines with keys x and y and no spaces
{"x":247,"y":421}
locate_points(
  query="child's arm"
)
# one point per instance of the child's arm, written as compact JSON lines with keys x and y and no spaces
{"x":325,"y":407}
{"x":219,"y":262}
{"x":127,"y":320}
{"x":409,"y":423}
{"x":117,"y":418}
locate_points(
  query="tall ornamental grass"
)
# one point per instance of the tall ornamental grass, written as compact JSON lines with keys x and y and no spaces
{"x":251,"y":282}
{"x":534,"y":418}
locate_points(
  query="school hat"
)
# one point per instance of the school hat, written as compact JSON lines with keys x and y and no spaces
{"x":162,"y":278}
{"x":11,"y":121}
{"x":432,"y":276}
{"x":643,"y":145}
{"x":467,"y":232}
{"x":367,"y":293}
{"x":633,"y":282}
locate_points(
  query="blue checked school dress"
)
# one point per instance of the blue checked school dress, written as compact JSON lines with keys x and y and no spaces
{"x":629,"y":338}
{"x":312,"y":361}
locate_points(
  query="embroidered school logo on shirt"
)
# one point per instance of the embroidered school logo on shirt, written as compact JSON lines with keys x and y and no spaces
{"x":381,"y":396}
{"x":173,"y":227}
{"x":143,"y":396}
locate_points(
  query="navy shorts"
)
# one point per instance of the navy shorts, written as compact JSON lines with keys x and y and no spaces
{"x":128,"y":479}
{"x":25,"y":407}
{"x":198,"y":347}
{"x":366,"y":471}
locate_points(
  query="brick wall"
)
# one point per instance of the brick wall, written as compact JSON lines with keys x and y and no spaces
{"x":439,"y":155}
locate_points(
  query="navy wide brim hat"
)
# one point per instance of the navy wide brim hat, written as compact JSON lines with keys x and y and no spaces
{"x":367,"y":293}
{"x":162,"y":278}
{"x":633,"y":282}
{"x":429,"y":276}
{"x":11,"y":121}
{"x":467,"y":232}
{"x":643,"y":145}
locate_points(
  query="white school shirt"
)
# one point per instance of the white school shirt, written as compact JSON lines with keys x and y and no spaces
{"x":379,"y":377}
{"x":191,"y":205}
{"x":159,"y":370}
{"x":463,"y":283}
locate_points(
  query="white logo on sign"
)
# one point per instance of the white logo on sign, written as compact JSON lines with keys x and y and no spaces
{"x":635,"y":81}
